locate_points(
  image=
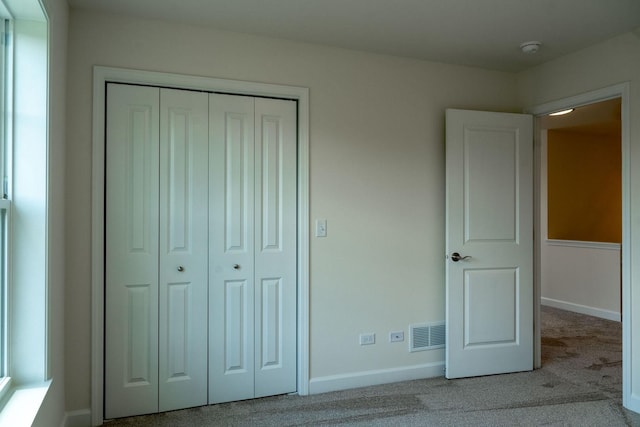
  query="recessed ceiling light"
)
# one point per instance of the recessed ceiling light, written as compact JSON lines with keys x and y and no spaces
{"x":562,"y":112}
{"x":530,"y":47}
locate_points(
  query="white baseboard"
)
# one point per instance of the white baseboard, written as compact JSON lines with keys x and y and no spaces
{"x":79,"y":418}
{"x":82,"y":418}
{"x":369,"y":378}
{"x":582,"y":309}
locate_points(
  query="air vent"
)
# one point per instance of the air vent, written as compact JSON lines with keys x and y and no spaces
{"x":427,"y":336}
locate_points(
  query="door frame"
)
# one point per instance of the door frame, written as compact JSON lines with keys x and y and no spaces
{"x":617,"y":91}
{"x":103,"y":75}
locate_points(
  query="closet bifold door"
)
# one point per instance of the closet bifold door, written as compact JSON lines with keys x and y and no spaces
{"x":132,"y":248}
{"x":275,"y":246}
{"x":231,"y":195}
{"x":156,"y":250}
{"x":184,"y":156}
{"x":252,"y":346}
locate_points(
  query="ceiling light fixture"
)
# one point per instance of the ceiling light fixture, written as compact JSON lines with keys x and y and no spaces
{"x":530,"y":47}
{"x":561,"y":112}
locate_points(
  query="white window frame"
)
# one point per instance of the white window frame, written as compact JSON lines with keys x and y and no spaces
{"x":26,"y":133}
{"x":5,"y":227}
{"x":6,"y":138}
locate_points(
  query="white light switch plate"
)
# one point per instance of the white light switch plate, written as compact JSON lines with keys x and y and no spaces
{"x":321,"y":228}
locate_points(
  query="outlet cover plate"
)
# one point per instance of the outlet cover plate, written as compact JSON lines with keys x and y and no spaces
{"x":367,"y":339}
{"x":396,"y":336}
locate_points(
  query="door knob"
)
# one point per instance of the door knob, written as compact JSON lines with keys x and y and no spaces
{"x":455,"y":257}
{"x":236,"y":266}
{"x":180,"y":268}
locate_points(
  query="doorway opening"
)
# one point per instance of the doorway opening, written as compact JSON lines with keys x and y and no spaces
{"x":618,"y":252}
{"x":581,"y":209}
{"x":581,"y":234}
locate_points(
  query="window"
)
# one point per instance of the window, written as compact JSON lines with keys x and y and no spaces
{"x":5,"y":201}
{"x":4,"y":276}
{"x":25,"y":363}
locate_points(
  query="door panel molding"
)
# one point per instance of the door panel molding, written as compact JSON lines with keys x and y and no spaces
{"x":102,"y":75}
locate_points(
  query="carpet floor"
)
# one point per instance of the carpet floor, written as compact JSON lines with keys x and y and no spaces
{"x":579,"y":384}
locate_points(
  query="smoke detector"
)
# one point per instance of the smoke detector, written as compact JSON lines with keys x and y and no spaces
{"x":530,"y":47}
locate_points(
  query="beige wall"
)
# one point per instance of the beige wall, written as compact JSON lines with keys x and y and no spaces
{"x":376,"y":175}
{"x":614,"y":61}
{"x":581,"y":276}
{"x":584,"y":186}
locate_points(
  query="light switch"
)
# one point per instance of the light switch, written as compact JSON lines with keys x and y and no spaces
{"x":321,"y":228}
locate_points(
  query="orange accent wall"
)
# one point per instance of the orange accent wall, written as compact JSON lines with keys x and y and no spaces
{"x":584,"y":183}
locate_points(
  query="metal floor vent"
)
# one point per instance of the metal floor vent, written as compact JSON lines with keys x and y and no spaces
{"x":427,"y":336}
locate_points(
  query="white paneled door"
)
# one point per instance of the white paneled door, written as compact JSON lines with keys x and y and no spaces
{"x":156,"y":258}
{"x":200,"y":276}
{"x":232,"y":194}
{"x":184,"y":126}
{"x":489,"y":243}
{"x":253,"y":249}
{"x":132,"y":249}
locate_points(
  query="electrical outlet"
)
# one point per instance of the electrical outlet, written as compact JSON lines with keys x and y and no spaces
{"x":367,"y":339}
{"x":396,"y":336}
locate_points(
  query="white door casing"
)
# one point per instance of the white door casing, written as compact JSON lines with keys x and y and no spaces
{"x":489,"y":211}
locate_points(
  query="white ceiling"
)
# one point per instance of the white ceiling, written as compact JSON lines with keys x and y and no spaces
{"x":481,"y":33}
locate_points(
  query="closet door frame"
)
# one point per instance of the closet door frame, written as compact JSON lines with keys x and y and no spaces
{"x":103,"y":75}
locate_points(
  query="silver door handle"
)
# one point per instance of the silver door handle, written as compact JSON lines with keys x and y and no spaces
{"x":180,"y":268}
{"x":455,"y":257}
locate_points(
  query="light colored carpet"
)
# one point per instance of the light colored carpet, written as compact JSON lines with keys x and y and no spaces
{"x":579,"y":384}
